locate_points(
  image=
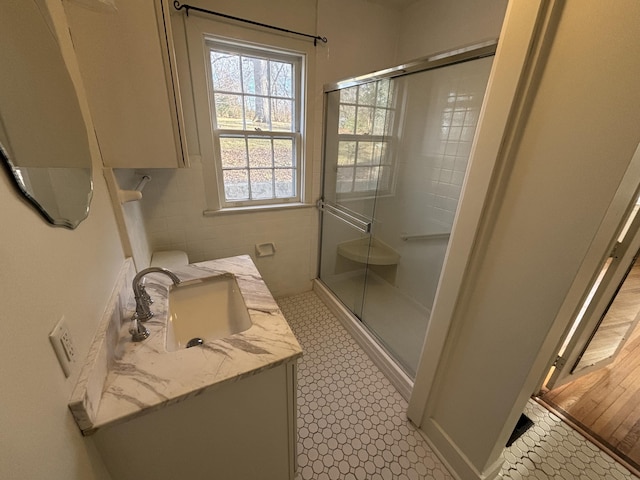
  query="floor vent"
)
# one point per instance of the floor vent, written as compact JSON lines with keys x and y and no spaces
{"x":524,"y":423}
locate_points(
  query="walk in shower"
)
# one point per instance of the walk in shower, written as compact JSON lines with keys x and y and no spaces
{"x":396,"y":149}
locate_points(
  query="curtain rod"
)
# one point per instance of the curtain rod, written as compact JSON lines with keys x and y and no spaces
{"x":187,"y":7}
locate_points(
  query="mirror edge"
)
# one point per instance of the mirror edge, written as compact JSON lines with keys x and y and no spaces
{"x":58,"y":222}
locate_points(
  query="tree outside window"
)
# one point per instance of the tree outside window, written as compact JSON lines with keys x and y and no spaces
{"x":256,"y":104}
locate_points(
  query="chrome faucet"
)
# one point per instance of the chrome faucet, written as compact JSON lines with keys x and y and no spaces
{"x":143,"y":313}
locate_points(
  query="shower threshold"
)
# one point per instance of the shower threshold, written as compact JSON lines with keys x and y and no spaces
{"x":369,"y":342}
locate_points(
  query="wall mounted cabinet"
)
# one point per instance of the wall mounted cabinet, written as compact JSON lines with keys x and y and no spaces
{"x":127,"y":62}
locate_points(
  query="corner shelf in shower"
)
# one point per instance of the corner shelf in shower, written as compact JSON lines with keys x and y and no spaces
{"x":370,"y":251}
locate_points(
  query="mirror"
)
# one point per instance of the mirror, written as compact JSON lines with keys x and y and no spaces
{"x":43,"y":136}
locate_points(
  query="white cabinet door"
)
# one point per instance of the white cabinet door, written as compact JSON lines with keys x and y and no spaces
{"x":242,"y":430}
{"x":125,"y":56}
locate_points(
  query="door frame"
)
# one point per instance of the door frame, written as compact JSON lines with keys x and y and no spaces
{"x":601,"y":246}
{"x":598,"y":298}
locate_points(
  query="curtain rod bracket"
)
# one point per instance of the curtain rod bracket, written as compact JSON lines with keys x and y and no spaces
{"x":187,"y":7}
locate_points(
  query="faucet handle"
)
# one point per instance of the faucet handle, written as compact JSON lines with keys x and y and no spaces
{"x":137,"y":330}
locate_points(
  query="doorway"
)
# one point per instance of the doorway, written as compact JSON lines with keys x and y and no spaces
{"x":594,"y":384}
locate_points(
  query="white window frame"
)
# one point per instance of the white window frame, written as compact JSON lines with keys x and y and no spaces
{"x":297,"y":61}
{"x":203,"y":152}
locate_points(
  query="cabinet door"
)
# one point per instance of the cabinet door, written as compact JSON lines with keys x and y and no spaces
{"x":123,"y":52}
{"x":238,"y":431}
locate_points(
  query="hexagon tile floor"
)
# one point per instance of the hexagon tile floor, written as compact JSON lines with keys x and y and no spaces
{"x":352,"y":424}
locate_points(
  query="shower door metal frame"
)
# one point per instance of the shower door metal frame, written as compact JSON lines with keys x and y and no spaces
{"x":431,"y":62}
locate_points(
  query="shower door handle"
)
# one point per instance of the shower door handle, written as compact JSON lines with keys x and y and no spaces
{"x":340,"y":214}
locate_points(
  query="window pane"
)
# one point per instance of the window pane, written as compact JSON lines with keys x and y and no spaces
{"x":379,"y":153}
{"x":236,"y":185}
{"x":233,"y":152}
{"x":365,"y":121}
{"x":283,"y":152}
{"x":260,"y":152}
{"x":365,"y":153}
{"x":381,"y":121}
{"x":285,"y":183}
{"x":346,"y":153}
{"x":261,"y":184}
{"x":255,"y":75}
{"x":382,"y":96}
{"x":229,"y":111}
{"x":367,"y":94}
{"x":363,"y":181}
{"x":225,"y":72}
{"x":281,"y":79}
{"x":366,"y":113}
{"x":344,"y":180}
{"x":281,"y":115}
{"x":256,"y":113}
{"x":347,"y":120}
{"x":348,"y":95}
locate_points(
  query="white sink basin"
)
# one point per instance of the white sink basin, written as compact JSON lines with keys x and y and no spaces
{"x":208,"y":308}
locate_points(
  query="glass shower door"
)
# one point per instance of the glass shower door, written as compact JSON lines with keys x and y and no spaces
{"x":356,"y":136}
{"x":396,"y":153}
{"x":435,"y":117}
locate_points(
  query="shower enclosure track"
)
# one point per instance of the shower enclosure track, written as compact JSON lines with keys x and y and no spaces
{"x":384,"y":361}
{"x":439,"y":60}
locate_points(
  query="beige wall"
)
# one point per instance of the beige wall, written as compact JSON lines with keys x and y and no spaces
{"x":47,"y":273}
{"x":430,"y":26}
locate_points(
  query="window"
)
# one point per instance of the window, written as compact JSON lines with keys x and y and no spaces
{"x":256,"y":103}
{"x":364,"y":139}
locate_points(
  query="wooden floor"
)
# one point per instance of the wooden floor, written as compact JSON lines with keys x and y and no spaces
{"x":606,"y":403}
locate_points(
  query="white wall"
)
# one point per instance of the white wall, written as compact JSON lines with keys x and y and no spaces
{"x":578,"y":138}
{"x":130,"y":218}
{"x":173,"y":202}
{"x":47,"y":273}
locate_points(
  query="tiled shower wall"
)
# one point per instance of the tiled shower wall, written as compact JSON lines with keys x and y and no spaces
{"x":440,"y":110}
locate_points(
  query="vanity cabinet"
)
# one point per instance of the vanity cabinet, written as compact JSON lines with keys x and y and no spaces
{"x":243,"y":430}
{"x":127,"y":61}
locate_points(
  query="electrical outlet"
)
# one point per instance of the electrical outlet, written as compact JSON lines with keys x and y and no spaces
{"x":63,"y":345}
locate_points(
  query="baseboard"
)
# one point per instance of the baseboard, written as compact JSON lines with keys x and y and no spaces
{"x":379,"y":357}
{"x":450,"y":454}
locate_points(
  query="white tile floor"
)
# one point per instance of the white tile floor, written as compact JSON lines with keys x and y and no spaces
{"x":351,"y":421}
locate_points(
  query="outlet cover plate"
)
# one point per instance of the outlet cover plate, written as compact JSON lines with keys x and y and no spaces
{"x":63,"y":346}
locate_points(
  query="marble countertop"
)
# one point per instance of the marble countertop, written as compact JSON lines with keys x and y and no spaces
{"x":142,"y":377}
